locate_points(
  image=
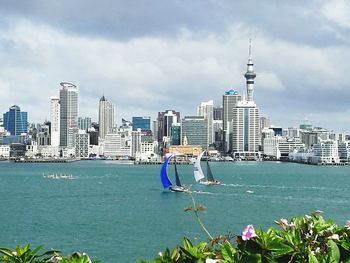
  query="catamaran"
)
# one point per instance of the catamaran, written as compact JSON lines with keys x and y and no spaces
{"x":199,"y":175}
{"x":167,"y":184}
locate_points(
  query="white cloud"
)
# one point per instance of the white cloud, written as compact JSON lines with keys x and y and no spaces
{"x":337,"y":11}
{"x":149,"y":74}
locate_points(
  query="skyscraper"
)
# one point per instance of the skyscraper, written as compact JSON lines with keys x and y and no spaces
{"x":16,"y":121}
{"x":68,"y":114}
{"x":246,"y":119}
{"x":229,"y":100}
{"x":105,"y":117}
{"x":205,"y":109}
{"x":165,"y":122}
{"x":55,"y":121}
{"x":195,"y":130}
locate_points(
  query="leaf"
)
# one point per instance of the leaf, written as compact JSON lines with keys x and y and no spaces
{"x":334,"y":251}
{"x":312,"y":259}
{"x":187,"y":243}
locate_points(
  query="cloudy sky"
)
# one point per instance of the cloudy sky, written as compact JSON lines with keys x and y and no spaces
{"x":149,"y":56}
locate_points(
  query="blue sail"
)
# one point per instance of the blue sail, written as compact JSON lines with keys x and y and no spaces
{"x":163,"y":173}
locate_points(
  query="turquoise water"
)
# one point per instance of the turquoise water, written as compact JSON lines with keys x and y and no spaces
{"x":119,"y":213}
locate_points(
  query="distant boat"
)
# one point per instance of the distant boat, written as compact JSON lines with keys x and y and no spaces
{"x":199,"y":175}
{"x":167,"y":184}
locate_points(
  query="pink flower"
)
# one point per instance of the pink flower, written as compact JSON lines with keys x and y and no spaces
{"x":248,"y":232}
{"x":347,"y":224}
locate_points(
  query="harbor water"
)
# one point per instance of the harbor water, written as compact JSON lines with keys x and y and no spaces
{"x":119,"y":212}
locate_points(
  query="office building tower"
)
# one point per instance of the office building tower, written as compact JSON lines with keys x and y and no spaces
{"x":206,"y":109}
{"x":176,"y":134}
{"x":105,"y":117}
{"x":84,"y":123}
{"x":165,"y":121}
{"x":55,"y":121}
{"x":217,"y":113}
{"x":136,"y":142}
{"x":16,"y":121}
{"x":245,"y":129}
{"x":143,"y":123}
{"x":195,"y":130}
{"x":229,"y":101}
{"x":68,"y":114}
{"x":81,"y":146}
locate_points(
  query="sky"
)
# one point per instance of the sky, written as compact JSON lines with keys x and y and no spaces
{"x":148,"y":56}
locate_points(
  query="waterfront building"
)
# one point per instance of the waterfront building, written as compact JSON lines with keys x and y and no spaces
{"x":105,"y":117}
{"x":93,"y":134}
{"x":55,"y":121}
{"x":326,"y":151}
{"x":143,"y":123}
{"x":82,"y":144}
{"x":195,"y":129}
{"x":49,"y":151}
{"x":116,"y":145}
{"x":344,"y":151}
{"x":4,"y":151}
{"x":16,"y":121}
{"x":278,"y":147}
{"x":84,"y":123}
{"x":136,"y":142}
{"x":229,"y":101}
{"x":186,"y":150}
{"x":245,"y":130}
{"x":68,"y":114}
{"x":165,"y":121}
{"x":17,"y":150}
{"x":32,"y":149}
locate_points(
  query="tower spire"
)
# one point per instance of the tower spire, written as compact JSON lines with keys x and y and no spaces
{"x":250,"y":74}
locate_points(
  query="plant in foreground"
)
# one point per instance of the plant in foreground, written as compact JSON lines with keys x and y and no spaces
{"x":307,"y":238}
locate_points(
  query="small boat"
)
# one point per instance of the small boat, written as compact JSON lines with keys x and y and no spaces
{"x":199,"y":175}
{"x":58,"y":176}
{"x":167,"y":184}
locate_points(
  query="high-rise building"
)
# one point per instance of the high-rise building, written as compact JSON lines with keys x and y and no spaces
{"x":84,"y":123}
{"x":105,"y":117}
{"x":217,"y":113}
{"x":245,"y":129}
{"x":246,"y":120}
{"x":165,"y":121}
{"x":68,"y":114}
{"x":229,"y":101}
{"x":16,"y":121}
{"x":143,"y":123}
{"x":205,"y":109}
{"x":55,"y":121}
{"x":82,"y":144}
{"x":195,"y":130}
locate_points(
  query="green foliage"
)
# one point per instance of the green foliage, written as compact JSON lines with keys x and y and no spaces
{"x":307,"y":238}
{"x":26,"y":255}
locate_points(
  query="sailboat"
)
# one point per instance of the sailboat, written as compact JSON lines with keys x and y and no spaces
{"x":199,"y":175}
{"x":167,"y":184}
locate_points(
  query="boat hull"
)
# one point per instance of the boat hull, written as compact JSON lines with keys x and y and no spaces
{"x":178,"y":189}
{"x":210,"y":182}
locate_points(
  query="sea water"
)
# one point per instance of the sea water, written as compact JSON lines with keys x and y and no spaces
{"x":120,"y":213}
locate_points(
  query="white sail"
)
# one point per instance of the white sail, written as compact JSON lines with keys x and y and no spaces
{"x":197,"y":170}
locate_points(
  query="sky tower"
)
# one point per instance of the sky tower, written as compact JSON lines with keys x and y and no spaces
{"x":250,"y":74}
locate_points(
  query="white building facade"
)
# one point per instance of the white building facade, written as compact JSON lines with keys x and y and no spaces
{"x":105,"y":117}
{"x":55,"y":121}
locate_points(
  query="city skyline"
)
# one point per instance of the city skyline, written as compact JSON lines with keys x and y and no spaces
{"x":145,"y":60}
